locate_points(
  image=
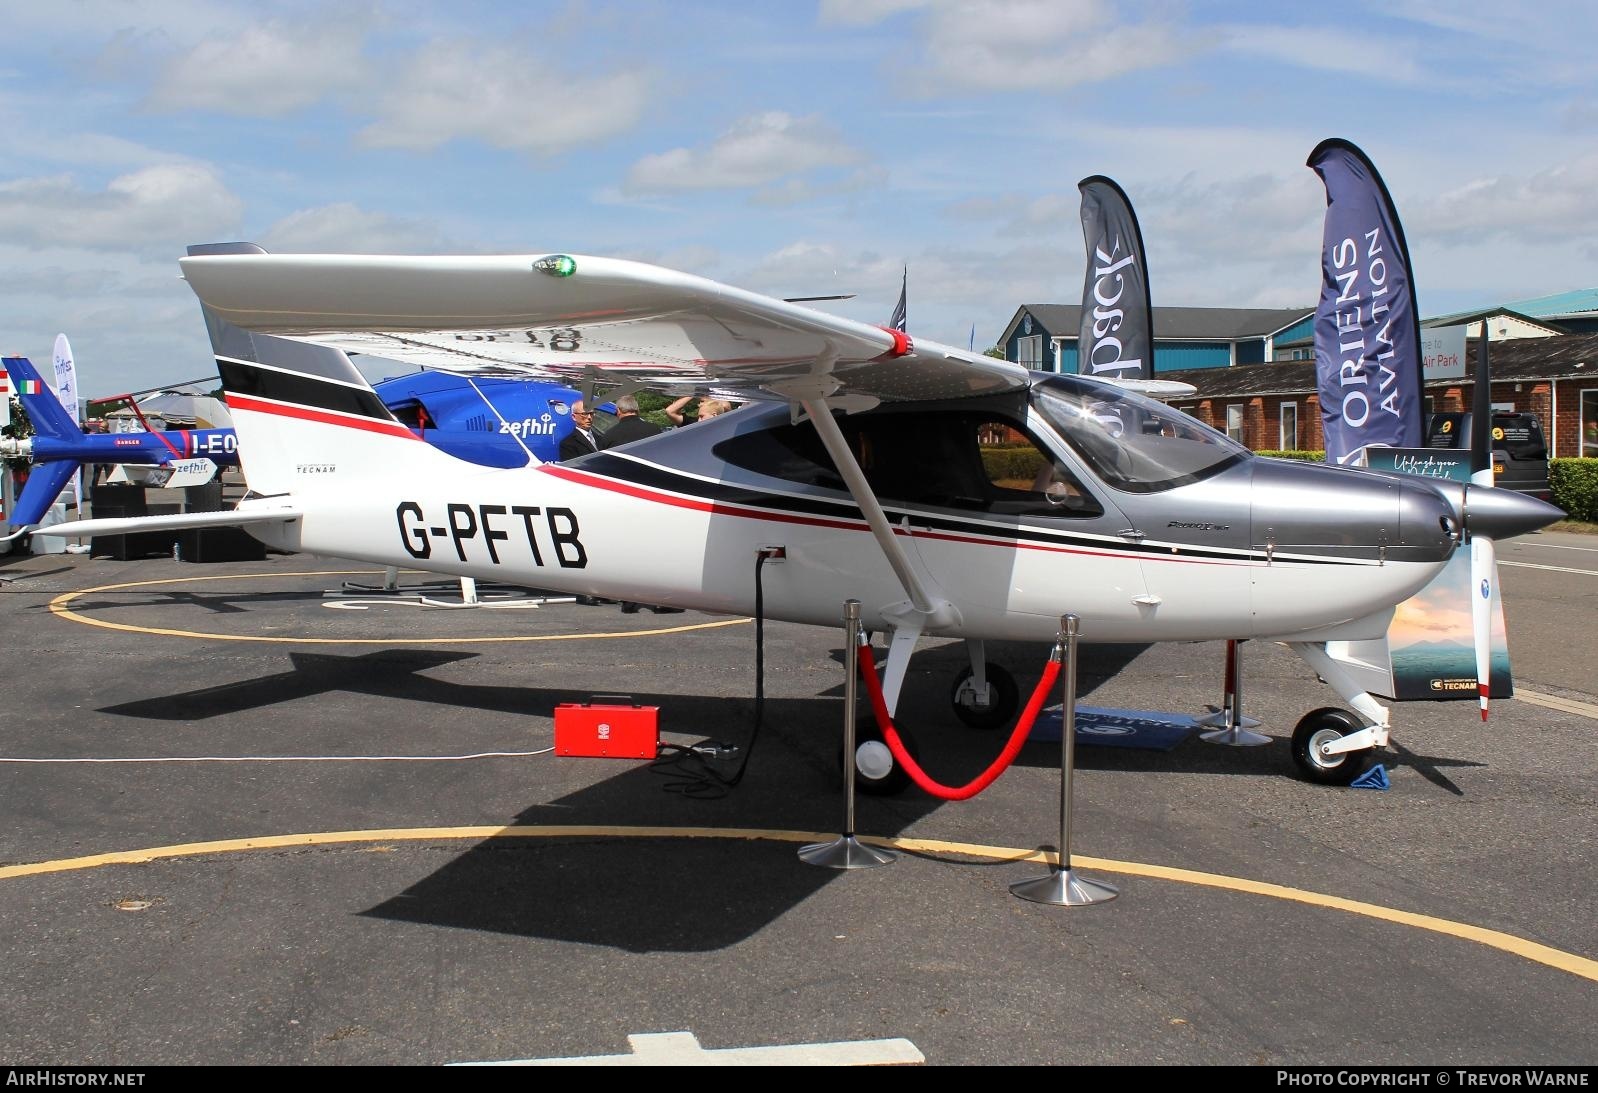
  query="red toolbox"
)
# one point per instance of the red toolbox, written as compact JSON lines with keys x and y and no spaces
{"x":607,"y":731}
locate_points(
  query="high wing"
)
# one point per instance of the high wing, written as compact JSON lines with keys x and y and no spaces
{"x":566,"y":316}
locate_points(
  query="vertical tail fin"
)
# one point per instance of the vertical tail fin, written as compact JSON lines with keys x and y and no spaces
{"x":304,"y":414}
{"x":39,"y":399}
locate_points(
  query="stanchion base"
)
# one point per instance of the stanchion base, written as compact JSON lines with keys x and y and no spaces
{"x":1219,"y":719}
{"x":1236,"y":738}
{"x":845,"y":852}
{"x":1063,"y":888}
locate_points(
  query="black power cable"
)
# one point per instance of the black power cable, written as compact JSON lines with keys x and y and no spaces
{"x":690,"y":767}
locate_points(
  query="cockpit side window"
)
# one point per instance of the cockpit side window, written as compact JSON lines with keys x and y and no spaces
{"x":930,"y":459}
{"x":1133,"y":443}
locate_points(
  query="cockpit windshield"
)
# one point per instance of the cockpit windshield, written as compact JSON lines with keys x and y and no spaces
{"x":1134,"y":443}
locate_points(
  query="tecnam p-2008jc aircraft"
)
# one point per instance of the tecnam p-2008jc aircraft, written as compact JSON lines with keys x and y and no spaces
{"x":860,"y":464}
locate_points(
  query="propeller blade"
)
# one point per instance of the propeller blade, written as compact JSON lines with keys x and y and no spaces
{"x":1483,"y":572}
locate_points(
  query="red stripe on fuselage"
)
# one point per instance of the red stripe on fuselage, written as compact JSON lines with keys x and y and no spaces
{"x":325,"y":417}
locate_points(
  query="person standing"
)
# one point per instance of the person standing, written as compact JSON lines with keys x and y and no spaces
{"x":581,"y":440}
{"x":629,"y":426}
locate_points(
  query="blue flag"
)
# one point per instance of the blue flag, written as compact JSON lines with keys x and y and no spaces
{"x":1367,"y":327}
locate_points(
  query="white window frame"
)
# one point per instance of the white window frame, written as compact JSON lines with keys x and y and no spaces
{"x":1285,"y":443}
{"x":1582,"y":420}
{"x":1035,"y":343}
{"x":1235,"y":431}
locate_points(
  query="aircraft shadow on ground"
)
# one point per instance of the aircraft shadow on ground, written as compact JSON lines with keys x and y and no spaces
{"x":220,"y":603}
{"x":639,"y":894}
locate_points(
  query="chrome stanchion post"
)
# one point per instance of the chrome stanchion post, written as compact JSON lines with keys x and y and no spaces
{"x":1061,"y":887}
{"x":847,"y":852}
{"x":1234,"y":728}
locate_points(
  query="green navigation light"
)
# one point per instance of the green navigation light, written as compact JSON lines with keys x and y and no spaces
{"x":557,"y":265}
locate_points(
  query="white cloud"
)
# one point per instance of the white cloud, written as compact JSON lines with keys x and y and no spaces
{"x":119,"y":310}
{"x":1032,"y":44}
{"x":168,"y":205}
{"x":179,"y":20}
{"x":1549,"y":206}
{"x":266,"y":70}
{"x":1327,"y":49}
{"x":347,"y":229}
{"x":757,"y":150}
{"x":502,"y":97}
{"x":1020,"y":215}
{"x":802,"y":191}
{"x":949,"y":288}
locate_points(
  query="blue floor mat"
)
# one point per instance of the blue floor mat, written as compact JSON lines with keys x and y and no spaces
{"x":1102,"y":726}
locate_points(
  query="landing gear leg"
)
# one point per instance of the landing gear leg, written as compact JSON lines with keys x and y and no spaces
{"x":1332,"y":746}
{"x":984,"y":695}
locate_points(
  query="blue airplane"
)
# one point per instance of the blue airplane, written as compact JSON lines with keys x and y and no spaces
{"x":493,"y":421}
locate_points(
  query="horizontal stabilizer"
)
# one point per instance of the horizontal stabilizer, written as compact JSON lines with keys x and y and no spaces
{"x":176,"y":522}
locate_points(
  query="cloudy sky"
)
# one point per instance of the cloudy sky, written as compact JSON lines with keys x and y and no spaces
{"x":791,"y":148}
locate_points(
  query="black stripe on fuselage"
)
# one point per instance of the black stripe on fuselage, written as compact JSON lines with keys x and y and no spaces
{"x":299,"y":389}
{"x":652,"y":476}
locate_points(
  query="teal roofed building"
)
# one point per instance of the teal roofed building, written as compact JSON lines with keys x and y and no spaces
{"x":1044,"y":336}
{"x":1575,"y":311}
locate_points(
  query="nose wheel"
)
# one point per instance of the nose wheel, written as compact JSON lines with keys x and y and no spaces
{"x":1314,"y":733}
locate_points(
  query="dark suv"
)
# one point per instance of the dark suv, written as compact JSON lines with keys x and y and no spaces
{"x":1520,"y":455}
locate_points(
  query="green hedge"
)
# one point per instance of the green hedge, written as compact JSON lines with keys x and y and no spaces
{"x":1308,"y":457}
{"x":1574,"y":483}
{"x":1019,"y":462}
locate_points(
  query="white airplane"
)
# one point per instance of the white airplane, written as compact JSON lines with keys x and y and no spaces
{"x":860,"y":468}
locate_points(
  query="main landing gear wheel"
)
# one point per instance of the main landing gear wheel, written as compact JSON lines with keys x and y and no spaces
{"x":876,"y":772}
{"x":1003,"y":699}
{"x":1320,"y":727}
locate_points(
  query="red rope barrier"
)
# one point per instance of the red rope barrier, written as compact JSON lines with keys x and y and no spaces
{"x":1018,"y":736}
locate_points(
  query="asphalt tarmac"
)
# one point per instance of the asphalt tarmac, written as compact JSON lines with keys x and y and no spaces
{"x":296,"y":897}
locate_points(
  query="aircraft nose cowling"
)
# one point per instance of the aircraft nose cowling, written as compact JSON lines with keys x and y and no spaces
{"x":1428,"y":517}
{"x":1501,"y":514}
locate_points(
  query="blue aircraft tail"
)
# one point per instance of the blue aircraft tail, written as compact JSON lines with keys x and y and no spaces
{"x":45,"y":483}
{"x":50,"y":419}
{"x":44,"y":409}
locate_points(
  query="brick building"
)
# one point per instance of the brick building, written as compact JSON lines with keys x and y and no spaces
{"x":1270,"y":406}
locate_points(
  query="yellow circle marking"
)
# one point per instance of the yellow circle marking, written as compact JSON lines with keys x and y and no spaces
{"x":1495,"y":939}
{"x":58,"y":606}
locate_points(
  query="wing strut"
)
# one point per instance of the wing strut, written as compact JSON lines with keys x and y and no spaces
{"x":922,"y":608}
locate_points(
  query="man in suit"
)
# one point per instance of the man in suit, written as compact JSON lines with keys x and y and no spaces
{"x":629,"y":426}
{"x":582,"y":439}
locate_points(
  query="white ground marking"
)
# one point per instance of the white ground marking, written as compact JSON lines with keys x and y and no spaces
{"x":683,"y":1049}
